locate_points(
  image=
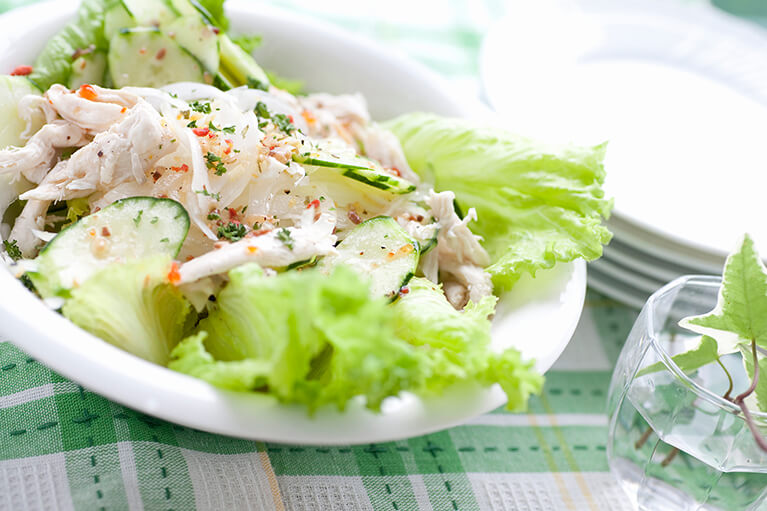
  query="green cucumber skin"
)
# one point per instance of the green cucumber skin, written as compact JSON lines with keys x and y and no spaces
{"x":379,"y":180}
{"x":355,"y":242}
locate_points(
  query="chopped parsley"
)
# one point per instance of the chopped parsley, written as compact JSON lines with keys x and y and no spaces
{"x":137,"y":218}
{"x":284,"y":236}
{"x":225,"y":129}
{"x":192,"y":124}
{"x":154,"y":220}
{"x":283,"y":123}
{"x":262,"y":111}
{"x":164,"y":240}
{"x":233,"y":231}
{"x":214,"y":162}
{"x":203,"y":108}
{"x":14,"y":252}
{"x":254,"y":83}
{"x":214,"y":216}
{"x":206,"y":193}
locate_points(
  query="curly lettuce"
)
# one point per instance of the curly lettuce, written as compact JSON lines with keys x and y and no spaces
{"x":132,"y":306}
{"x":537,"y":204}
{"x":307,"y":338}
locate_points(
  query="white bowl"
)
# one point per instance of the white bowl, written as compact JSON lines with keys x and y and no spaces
{"x":538,"y":316}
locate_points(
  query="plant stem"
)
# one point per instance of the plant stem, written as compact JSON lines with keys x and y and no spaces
{"x":729,"y":378}
{"x":639,"y":443}
{"x":740,"y":401}
{"x":669,"y":457}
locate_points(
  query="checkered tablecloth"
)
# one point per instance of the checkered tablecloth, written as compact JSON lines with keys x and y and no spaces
{"x":64,"y":447}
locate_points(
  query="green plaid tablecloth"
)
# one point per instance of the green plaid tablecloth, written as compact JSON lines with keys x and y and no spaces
{"x":64,"y":447}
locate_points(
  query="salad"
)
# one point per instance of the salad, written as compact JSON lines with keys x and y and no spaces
{"x":163,"y":192}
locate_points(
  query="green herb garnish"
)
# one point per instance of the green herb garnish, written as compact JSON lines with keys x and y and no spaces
{"x":137,"y":218}
{"x":284,"y":236}
{"x":214,"y":162}
{"x":283,"y":123}
{"x":203,"y":108}
{"x":233,"y":231}
{"x":13,"y":250}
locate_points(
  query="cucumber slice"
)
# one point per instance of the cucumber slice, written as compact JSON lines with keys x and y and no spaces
{"x":126,"y":229}
{"x":238,"y":67}
{"x":116,"y":19}
{"x":150,"y":12}
{"x":380,"y":249}
{"x":145,"y":57}
{"x":198,"y":38}
{"x":88,"y":68}
{"x":365,"y":171}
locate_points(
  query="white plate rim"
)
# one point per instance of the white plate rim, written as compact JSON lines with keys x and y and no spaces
{"x":80,"y":356}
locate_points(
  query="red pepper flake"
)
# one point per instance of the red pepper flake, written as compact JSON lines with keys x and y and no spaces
{"x":200,"y":132}
{"x":291,"y":119}
{"x":396,"y":172}
{"x":88,"y":92}
{"x":189,"y":258}
{"x":105,"y":232}
{"x":229,"y":146}
{"x":182,"y":168}
{"x":314,"y":204}
{"x":260,"y":232}
{"x":405,"y":290}
{"x":160,"y":54}
{"x":123,"y":110}
{"x":232,"y":214}
{"x":173,"y":274}
{"x":142,"y":51}
{"x":22,"y":71}
{"x":156,"y":176}
{"x":215,"y":30}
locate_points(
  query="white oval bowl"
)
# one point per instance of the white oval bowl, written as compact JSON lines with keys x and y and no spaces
{"x":538,"y":316}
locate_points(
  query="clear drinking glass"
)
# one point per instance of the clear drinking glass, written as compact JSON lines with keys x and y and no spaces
{"x":674,"y":442}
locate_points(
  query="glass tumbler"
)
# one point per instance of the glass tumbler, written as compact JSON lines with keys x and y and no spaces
{"x":674,"y":442}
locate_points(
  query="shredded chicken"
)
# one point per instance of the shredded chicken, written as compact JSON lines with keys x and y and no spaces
{"x":460,"y":254}
{"x":124,"y":152}
{"x":36,"y":158}
{"x":275,"y":249}
{"x":96,"y":112}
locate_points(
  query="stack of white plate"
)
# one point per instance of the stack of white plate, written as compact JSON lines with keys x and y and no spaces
{"x":680,"y":92}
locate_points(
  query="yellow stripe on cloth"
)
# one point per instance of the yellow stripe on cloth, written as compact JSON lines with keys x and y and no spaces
{"x":579,"y":479}
{"x":563,"y":491}
{"x":266,"y":463}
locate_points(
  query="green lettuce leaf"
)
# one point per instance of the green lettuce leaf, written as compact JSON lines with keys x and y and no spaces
{"x":536,"y":204}
{"x":458,"y":344}
{"x":132,"y":306}
{"x":299,"y":335}
{"x":86,"y":32}
{"x":308,"y":338}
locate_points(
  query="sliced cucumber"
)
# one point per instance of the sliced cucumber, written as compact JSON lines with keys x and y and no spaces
{"x":363,"y":170}
{"x":150,"y":12}
{"x":116,"y":19}
{"x":126,"y":229}
{"x":198,"y":38}
{"x":88,"y":68}
{"x":238,"y":67}
{"x":380,"y":249}
{"x":145,"y":57}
